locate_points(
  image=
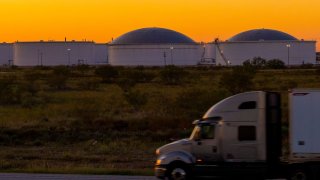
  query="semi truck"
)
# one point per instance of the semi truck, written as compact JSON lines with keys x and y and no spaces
{"x":242,"y":137}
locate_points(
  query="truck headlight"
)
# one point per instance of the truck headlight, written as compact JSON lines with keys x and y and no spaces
{"x":158,"y":162}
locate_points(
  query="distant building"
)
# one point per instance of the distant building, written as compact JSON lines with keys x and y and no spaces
{"x":318,"y":57}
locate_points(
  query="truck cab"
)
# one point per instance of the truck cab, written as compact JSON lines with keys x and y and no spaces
{"x":240,"y":134}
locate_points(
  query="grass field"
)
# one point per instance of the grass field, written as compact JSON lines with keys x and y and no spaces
{"x":75,"y":120}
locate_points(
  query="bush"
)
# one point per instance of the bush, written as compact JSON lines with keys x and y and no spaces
{"x":10,"y":90}
{"x":287,"y":85}
{"x":89,"y":84}
{"x":306,"y":66}
{"x":32,"y":84}
{"x":87,"y":110}
{"x":30,"y":101}
{"x":139,"y":75}
{"x":172,"y":75}
{"x":193,"y":103}
{"x":58,"y":78}
{"x":83,"y":68}
{"x":126,"y":84}
{"x":107,"y":73}
{"x":136,"y":98}
{"x":240,"y":79}
{"x":256,"y":62}
{"x":275,"y":64}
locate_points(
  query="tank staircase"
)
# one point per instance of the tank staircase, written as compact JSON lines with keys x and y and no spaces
{"x":217,"y":43}
{"x":206,"y":61}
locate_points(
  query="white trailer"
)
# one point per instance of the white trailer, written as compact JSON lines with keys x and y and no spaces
{"x":304,"y":123}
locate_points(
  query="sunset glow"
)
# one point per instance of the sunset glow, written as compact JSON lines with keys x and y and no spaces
{"x":202,"y":20}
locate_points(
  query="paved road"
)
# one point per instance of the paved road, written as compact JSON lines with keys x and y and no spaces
{"x":22,"y":176}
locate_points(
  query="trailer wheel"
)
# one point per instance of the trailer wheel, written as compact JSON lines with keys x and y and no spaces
{"x":178,"y":171}
{"x":298,"y":174}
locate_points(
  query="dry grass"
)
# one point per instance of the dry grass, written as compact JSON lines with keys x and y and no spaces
{"x":76,"y":130}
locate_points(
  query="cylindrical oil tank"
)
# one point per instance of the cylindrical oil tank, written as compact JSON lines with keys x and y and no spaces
{"x":6,"y":54}
{"x":267,"y":44}
{"x":101,"y":54}
{"x":53,"y":53}
{"x":154,"y":55}
{"x":290,"y":52}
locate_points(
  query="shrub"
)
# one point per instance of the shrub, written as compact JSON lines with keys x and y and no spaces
{"x":290,"y":84}
{"x":194,"y":102}
{"x":32,"y":84}
{"x":136,"y":98}
{"x":87,"y":110}
{"x":89,"y":84}
{"x":10,"y":90}
{"x":30,"y":101}
{"x":306,"y":66}
{"x":139,"y":75}
{"x":172,"y":75}
{"x":126,"y":84}
{"x":107,"y":73}
{"x":59,"y":76}
{"x":317,"y":71}
{"x":275,"y":64}
{"x":256,"y":62}
{"x":240,"y":79}
{"x":83,"y":68}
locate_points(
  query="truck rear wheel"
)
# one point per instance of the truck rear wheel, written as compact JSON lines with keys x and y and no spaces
{"x":298,"y":174}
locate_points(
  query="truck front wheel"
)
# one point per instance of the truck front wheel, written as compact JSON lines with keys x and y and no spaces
{"x":178,"y":171}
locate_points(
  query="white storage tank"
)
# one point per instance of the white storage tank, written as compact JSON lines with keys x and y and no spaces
{"x":154,"y":47}
{"x":53,"y":53}
{"x":6,"y":54}
{"x":268,"y":44}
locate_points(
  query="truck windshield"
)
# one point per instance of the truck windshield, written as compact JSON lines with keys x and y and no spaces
{"x":203,"y":131}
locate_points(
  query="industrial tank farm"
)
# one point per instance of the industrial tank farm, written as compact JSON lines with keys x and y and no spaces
{"x":268,"y":44}
{"x":160,"y":47}
{"x":154,"y":47}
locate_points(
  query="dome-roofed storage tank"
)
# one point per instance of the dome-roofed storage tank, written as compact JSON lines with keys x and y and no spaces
{"x":267,"y":44}
{"x":262,"y":35}
{"x":153,"y":36}
{"x":154,"y":47}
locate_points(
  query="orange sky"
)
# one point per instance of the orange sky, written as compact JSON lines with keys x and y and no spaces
{"x":202,"y":20}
